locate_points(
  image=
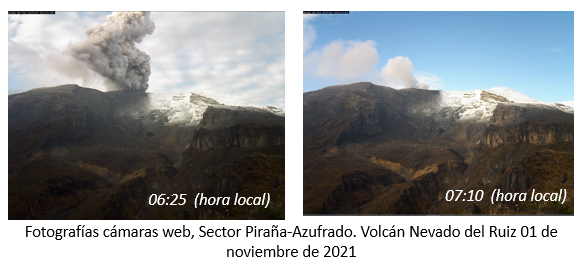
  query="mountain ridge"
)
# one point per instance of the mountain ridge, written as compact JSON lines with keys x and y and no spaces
{"x":78,"y":153}
{"x":430,"y":138}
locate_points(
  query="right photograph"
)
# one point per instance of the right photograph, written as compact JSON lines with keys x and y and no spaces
{"x":438,"y":113}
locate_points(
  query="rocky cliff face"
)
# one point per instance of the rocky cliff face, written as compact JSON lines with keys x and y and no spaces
{"x":249,"y":136}
{"x":225,"y":116}
{"x":536,"y":132}
{"x":246,"y":158}
{"x":512,"y":113}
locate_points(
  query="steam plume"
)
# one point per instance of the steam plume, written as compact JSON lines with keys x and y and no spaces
{"x":401,"y":70}
{"x":110,"y":50}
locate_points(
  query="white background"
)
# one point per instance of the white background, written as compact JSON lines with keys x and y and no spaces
{"x":16,"y":247}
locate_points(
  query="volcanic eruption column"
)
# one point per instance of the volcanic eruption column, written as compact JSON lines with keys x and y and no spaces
{"x":110,"y":50}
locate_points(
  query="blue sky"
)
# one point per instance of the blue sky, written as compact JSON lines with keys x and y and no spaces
{"x":529,"y":52}
{"x":241,"y":54}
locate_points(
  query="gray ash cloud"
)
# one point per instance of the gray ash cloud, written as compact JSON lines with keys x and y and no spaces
{"x":110,"y":50}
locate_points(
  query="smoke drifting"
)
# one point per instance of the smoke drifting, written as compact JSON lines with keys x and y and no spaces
{"x":401,"y":70}
{"x":110,"y":50}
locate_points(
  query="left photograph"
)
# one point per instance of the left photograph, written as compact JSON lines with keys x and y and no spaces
{"x":146,"y":115}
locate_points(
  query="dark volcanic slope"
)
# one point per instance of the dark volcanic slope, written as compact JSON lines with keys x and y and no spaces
{"x":375,"y":150}
{"x":78,"y":153}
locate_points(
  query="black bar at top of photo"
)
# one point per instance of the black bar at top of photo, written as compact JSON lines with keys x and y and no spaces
{"x":326,"y":12}
{"x":31,"y":12}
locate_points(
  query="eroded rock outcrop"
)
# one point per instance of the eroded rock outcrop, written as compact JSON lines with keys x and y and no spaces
{"x":219,"y":117}
{"x":535,"y":132}
{"x":242,"y":135}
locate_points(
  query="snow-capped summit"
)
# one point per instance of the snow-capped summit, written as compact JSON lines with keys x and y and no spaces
{"x":189,"y":107}
{"x":480,"y":104}
{"x":512,"y":95}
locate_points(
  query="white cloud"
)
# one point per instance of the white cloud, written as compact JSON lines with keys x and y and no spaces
{"x":401,"y":70}
{"x":309,"y":37}
{"x":345,"y":61}
{"x":555,"y":50}
{"x":350,"y":61}
{"x":309,"y":32}
{"x":35,"y":45}
{"x":240,"y":54}
{"x":433,"y":81}
{"x":399,"y":73}
{"x":310,"y":17}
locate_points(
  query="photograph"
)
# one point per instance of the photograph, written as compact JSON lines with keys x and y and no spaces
{"x":438,"y":113}
{"x":426,"y":126}
{"x":146,"y":115}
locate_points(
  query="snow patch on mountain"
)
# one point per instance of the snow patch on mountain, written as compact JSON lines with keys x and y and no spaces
{"x":232,"y":101}
{"x":570,"y":104}
{"x":479,"y":104}
{"x":513,"y":96}
{"x":188,"y":107}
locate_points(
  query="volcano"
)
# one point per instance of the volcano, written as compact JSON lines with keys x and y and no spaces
{"x":371,"y":149}
{"x":78,"y":153}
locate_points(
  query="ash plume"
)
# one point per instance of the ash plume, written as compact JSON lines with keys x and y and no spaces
{"x":110,"y":50}
{"x":401,"y":70}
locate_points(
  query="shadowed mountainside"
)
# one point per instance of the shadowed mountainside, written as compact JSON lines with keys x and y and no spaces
{"x":78,"y":153}
{"x":370,"y":149}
